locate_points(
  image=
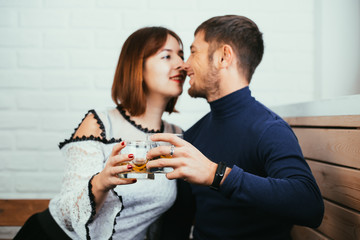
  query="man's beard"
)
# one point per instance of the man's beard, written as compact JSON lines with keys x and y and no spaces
{"x":211,"y":85}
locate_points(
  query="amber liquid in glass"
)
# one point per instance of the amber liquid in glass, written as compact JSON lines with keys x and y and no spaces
{"x":139,"y":165}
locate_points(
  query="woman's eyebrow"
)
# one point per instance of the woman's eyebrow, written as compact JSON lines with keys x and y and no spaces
{"x":170,"y":50}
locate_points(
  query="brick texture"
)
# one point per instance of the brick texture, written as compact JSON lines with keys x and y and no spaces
{"x":57,"y":61}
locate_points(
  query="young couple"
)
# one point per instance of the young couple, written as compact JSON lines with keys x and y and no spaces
{"x":240,"y":170}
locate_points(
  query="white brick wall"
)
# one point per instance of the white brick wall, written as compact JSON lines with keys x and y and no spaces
{"x":57,"y":60}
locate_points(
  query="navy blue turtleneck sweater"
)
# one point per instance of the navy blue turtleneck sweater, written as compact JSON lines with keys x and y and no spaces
{"x":270,"y":186}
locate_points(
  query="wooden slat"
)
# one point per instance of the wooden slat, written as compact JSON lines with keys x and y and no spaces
{"x":339,"y":184}
{"x":340,"y":223}
{"x":326,"y":121}
{"x":301,"y":233}
{"x":337,"y":146}
{"x":330,"y":140}
{"x":15,"y":212}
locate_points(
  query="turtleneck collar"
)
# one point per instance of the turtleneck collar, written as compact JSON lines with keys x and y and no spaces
{"x":231,"y":104}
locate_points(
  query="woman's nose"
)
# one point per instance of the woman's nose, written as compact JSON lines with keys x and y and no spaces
{"x":185,"y":66}
{"x":179,"y":62}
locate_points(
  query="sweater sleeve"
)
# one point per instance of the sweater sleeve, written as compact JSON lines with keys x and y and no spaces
{"x":74,"y":207}
{"x":289,"y":190}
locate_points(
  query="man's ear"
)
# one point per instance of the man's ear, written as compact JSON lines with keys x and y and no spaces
{"x":226,"y":56}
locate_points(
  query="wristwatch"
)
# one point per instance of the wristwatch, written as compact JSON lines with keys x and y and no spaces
{"x":219,"y":174}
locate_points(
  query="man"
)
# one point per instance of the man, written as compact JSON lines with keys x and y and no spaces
{"x":248,"y":176}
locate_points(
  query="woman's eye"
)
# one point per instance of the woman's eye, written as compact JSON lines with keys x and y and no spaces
{"x":166,"y":57}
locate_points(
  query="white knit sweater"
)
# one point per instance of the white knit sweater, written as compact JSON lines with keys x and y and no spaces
{"x":128,"y":209}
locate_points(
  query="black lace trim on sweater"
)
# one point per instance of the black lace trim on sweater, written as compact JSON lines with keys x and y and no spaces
{"x":93,"y":207}
{"x":118,"y":214}
{"x":91,"y":137}
{"x":138,"y":126}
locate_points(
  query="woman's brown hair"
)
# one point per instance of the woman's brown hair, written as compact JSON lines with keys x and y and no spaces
{"x":129,"y":88}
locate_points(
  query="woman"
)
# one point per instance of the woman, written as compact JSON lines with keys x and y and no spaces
{"x":94,"y":203}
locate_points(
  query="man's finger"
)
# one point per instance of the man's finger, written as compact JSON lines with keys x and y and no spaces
{"x":168,"y":137}
{"x":162,"y":162}
{"x":164,"y":151}
{"x":173,"y":175}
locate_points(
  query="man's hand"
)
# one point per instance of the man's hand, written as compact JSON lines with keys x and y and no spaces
{"x":188,"y":162}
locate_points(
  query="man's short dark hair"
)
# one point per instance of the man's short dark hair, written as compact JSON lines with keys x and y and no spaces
{"x":241,"y":33}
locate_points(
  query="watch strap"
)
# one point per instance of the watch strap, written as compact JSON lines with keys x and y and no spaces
{"x":219,"y":174}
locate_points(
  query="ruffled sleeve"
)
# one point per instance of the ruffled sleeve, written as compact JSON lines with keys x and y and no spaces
{"x":74,"y":208}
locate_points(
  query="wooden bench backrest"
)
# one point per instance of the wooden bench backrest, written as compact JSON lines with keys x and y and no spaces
{"x":331,"y":146}
{"x":14,"y":212}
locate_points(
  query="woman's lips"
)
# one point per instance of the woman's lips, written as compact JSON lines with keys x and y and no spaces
{"x":178,"y":78}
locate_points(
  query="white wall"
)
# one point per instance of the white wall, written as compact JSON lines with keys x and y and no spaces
{"x":343,"y":105}
{"x":337,"y":48}
{"x":57,"y":60}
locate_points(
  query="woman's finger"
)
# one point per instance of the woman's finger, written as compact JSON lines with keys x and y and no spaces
{"x":124,"y":181}
{"x":121,"y":158}
{"x":120,"y":169}
{"x":117,"y":148}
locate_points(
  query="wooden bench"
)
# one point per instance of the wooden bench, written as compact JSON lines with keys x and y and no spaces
{"x":331,"y":146}
{"x":14,"y":213}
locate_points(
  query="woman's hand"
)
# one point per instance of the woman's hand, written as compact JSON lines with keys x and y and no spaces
{"x":108,"y":178}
